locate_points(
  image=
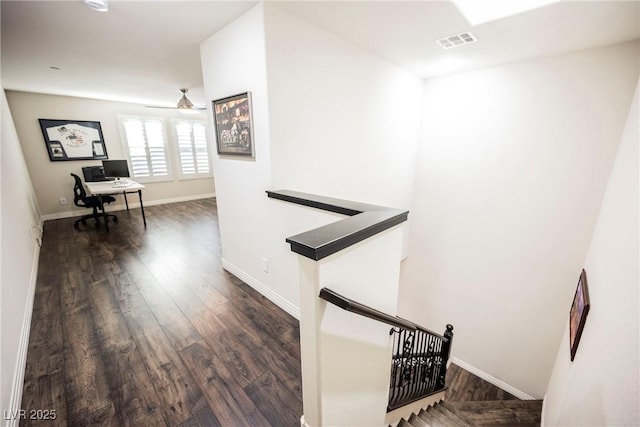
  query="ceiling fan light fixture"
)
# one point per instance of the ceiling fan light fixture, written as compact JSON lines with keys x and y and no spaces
{"x":185,"y":105}
{"x":98,"y":5}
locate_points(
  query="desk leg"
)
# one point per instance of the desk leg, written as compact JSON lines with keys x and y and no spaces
{"x":142,"y":208}
{"x":124,"y":193}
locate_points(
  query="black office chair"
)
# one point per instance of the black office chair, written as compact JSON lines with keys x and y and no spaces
{"x":81,"y":199}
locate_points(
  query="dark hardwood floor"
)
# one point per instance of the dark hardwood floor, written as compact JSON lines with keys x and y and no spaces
{"x":144,"y":328}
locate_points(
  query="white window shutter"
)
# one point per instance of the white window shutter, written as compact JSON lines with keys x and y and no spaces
{"x":193,"y":148}
{"x":147,"y":146}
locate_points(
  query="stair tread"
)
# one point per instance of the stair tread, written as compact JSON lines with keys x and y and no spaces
{"x":416,"y":421}
{"x":499,"y":412}
{"x":405,"y":423}
{"x":439,"y":416}
{"x":458,"y":420}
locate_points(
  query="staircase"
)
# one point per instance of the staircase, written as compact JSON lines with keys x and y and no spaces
{"x":525,"y":413}
{"x":472,"y":401}
{"x":419,"y":372}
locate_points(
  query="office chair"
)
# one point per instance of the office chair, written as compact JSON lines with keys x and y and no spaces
{"x":81,"y":199}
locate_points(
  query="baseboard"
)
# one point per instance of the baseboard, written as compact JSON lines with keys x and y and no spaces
{"x":491,"y":379}
{"x":122,"y":206}
{"x":21,"y":362}
{"x":262,"y":288}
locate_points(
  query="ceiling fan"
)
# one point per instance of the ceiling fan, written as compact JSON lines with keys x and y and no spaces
{"x":184,"y":104}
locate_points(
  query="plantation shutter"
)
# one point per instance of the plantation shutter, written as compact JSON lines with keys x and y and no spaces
{"x":147,"y":146}
{"x":193,"y":148}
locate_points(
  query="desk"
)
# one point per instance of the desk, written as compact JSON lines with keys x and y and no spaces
{"x":105,"y":188}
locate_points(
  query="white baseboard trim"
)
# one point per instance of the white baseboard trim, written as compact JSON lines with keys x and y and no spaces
{"x":122,"y":206}
{"x":262,"y":288}
{"x":491,"y":379}
{"x":21,"y":362}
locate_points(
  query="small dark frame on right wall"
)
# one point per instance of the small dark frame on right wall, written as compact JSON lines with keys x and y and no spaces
{"x":578,"y":313}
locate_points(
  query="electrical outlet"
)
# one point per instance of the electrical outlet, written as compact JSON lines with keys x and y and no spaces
{"x":265,"y":265}
{"x":63,"y":200}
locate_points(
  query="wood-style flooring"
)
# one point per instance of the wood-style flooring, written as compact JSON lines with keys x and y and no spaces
{"x":144,"y":328}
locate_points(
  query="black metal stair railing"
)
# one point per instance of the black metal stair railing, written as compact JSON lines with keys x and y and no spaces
{"x":419,"y":358}
{"x":418,"y":364}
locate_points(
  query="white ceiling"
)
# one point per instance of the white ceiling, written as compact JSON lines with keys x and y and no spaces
{"x":144,"y":51}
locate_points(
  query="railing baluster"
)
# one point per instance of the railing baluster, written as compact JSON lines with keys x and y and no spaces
{"x":419,"y":364}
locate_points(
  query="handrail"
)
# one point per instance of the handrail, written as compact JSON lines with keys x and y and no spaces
{"x":363,"y":221}
{"x":366,"y":311}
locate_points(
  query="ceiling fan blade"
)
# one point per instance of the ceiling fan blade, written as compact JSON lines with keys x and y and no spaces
{"x":176,"y":108}
{"x":184,"y":104}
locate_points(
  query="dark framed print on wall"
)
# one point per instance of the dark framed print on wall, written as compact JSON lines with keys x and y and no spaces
{"x":233,"y":124}
{"x":578,"y":313}
{"x":73,"y":140}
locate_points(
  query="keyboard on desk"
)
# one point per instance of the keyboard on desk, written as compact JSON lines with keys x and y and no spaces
{"x":124,"y":184}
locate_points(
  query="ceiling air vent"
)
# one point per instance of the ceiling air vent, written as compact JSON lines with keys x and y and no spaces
{"x":457,"y":40}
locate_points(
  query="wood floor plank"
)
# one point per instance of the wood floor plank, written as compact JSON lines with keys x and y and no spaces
{"x":272,"y":396}
{"x":203,"y":418}
{"x":87,"y":390}
{"x":173,"y":384}
{"x":282,"y":362}
{"x":131,"y":389}
{"x":44,"y":401}
{"x":228,"y":400}
{"x":46,"y":351}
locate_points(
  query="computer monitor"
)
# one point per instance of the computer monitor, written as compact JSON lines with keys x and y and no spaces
{"x":115,"y":168}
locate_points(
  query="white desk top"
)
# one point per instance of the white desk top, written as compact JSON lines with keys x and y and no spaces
{"x":112,"y":187}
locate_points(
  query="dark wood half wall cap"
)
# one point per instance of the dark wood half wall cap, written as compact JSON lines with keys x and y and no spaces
{"x":363,"y":221}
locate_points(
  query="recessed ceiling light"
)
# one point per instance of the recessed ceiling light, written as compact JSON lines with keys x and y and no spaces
{"x":99,"y":5}
{"x":480,"y":12}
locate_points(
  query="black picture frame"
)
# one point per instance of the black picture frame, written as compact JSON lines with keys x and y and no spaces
{"x":233,"y":122}
{"x":578,"y":313}
{"x":73,"y":140}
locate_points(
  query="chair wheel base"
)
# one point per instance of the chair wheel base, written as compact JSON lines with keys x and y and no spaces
{"x":98,"y":223}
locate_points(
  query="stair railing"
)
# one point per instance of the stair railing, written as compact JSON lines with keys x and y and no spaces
{"x":419,"y":358}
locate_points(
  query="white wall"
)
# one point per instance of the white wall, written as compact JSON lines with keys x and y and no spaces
{"x":20,"y":218}
{"x":343,"y":122}
{"x":51,"y":180}
{"x":512,"y":168}
{"x":602,"y":385}
{"x":302,"y":144}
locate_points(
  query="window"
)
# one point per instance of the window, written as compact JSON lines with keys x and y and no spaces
{"x":147,"y":147}
{"x":193,"y":149}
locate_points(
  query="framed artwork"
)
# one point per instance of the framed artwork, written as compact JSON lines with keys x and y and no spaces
{"x":578,"y":313}
{"x":234,"y":128}
{"x":73,"y":140}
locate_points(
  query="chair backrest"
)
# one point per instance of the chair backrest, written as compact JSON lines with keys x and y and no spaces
{"x":78,"y":191}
